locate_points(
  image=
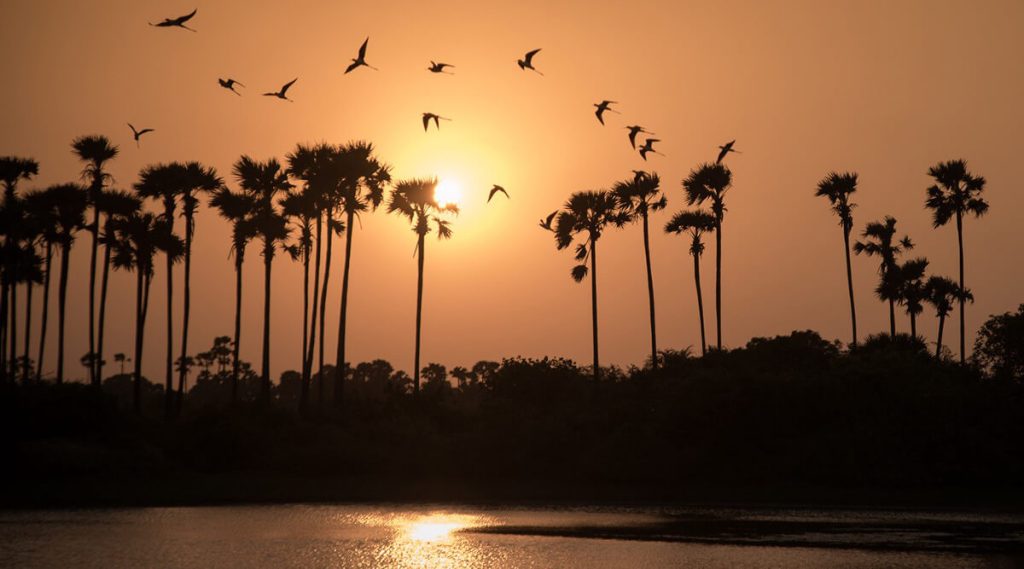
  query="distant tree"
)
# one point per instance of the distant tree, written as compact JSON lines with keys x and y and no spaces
{"x":435,"y":380}
{"x":999,"y":347}
{"x":13,"y":169}
{"x":121,"y":359}
{"x":710,"y":183}
{"x":957,"y":193}
{"x":588,"y":214}
{"x":70,"y":202}
{"x":636,"y":199}
{"x":414,"y":200}
{"x":40,"y":206}
{"x":113,"y":204}
{"x":838,"y":188}
{"x":463,"y":376}
{"x":941,"y":293}
{"x":912,"y":292}
{"x":696,"y":223}
{"x":880,"y":240}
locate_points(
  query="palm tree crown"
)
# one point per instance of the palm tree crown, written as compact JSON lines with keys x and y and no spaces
{"x":586,"y":213}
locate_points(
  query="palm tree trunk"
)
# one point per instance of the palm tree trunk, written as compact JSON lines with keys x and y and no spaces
{"x":238,"y":326}
{"x":186,"y":305}
{"x":100,"y":332}
{"x":593,"y":306}
{"x":960,"y":245}
{"x":304,"y":391}
{"x":419,"y":313}
{"x":28,"y":330}
{"x":12,"y":331}
{"x":62,"y":296}
{"x":938,"y":339}
{"x":169,"y":364}
{"x":718,"y":281}
{"x":323,"y":309}
{"x":650,"y":294}
{"x":913,"y":326}
{"x":344,"y":310}
{"x":892,"y":318}
{"x":46,"y":310}
{"x":849,"y":284}
{"x":700,"y":304}
{"x":4,"y":296}
{"x":307,"y":357}
{"x":139,"y":329}
{"x":265,"y":368}
{"x":94,"y":229}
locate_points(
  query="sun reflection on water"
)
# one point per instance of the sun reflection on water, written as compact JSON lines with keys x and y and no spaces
{"x":430,"y":539}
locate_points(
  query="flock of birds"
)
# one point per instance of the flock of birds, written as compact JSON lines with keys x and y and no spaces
{"x":526,"y":63}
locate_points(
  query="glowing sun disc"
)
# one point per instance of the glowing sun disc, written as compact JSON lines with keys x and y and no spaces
{"x":447,"y":192}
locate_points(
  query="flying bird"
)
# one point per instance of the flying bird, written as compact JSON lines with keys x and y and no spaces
{"x":439,"y":67}
{"x":546,"y":222}
{"x":178,"y":22}
{"x":495,"y":190}
{"x":229,"y":84}
{"x":602,"y":107}
{"x":361,"y":59}
{"x":527,"y":61}
{"x":138,"y":133}
{"x":282,"y":93}
{"x":635,"y":130}
{"x":649,"y":147}
{"x":427,"y":117}
{"x":726,"y":149}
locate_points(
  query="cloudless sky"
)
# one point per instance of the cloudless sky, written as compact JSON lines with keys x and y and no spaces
{"x":882,"y":88}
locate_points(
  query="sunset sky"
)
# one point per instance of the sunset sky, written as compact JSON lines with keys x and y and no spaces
{"x":884,"y":88}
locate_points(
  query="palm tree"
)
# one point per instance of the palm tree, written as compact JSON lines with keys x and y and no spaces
{"x":838,"y":188}
{"x":361,"y":189}
{"x":113,"y":204}
{"x":710,"y":182}
{"x":70,"y":202}
{"x":236,"y":208}
{"x":29,"y":272}
{"x":941,"y":293}
{"x":137,"y":239}
{"x":13,"y":169}
{"x":588,"y":213}
{"x":95,"y":151}
{"x":40,"y":206}
{"x":121,"y":358}
{"x":302,"y":207}
{"x":636,"y":199}
{"x":264,"y":181}
{"x":957,"y":193}
{"x":912,"y":291}
{"x":414,"y":199}
{"x":696,"y":223}
{"x":880,"y":240}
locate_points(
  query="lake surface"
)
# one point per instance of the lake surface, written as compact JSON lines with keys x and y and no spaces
{"x":471,"y":537}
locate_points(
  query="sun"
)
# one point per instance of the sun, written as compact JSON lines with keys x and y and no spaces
{"x":447,"y":192}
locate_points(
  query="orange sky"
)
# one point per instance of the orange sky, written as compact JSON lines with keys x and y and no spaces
{"x":886,"y":89}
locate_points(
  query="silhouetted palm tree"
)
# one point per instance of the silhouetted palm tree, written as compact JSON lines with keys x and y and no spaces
{"x":912,"y":293}
{"x":121,"y":358}
{"x":95,"y":151}
{"x":29,"y":271}
{"x":414,"y":199}
{"x":113,"y":204}
{"x":710,"y":182}
{"x":302,"y":207}
{"x":696,"y":223}
{"x":12,"y":170}
{"x":880,"y":240}
{"x":236,"y":208}
{"x":838,"y":188}
{"x":70,"y":202}
{"x":957,"y":193}
{"x":588,"y":214}
{"x":40,"y":205}
{"x":136,"y":241}
{"x":636,"y":199}
{"x":264,"y":182}
{"x":941,"y":293}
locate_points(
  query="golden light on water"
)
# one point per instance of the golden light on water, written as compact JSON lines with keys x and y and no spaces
{"x":432,"y":530}
{"x":448,"y":191}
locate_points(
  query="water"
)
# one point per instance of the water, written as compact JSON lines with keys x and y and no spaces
{"x":470,"y":537}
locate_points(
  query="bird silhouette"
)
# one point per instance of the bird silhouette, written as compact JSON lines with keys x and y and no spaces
{"x":649,"y":147}
{"x":634,"y":130}
{"x":439,"y":67}
{"x":138,"y":133}
{"x":495,"y":190}
{"x":527,"y":61}
{"x":546,"y":222}
{"x":178,"y":22}
{"x":725,"y":149}
{"x":602,"y":107}
{"x":361,"y":59}
{"x":427,"y":117}
{"x":282,"y":94}
{"x":229,"y":84}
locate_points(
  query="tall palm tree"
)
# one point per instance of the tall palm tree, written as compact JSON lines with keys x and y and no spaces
{"x":13,"y":169}
{"x":838,"y":188}
{"x":35,"y":226}
{"x":70,"y":204}
{"x":302,"y":207}
{"x":196,"y":179}
{"x":236,"y":208}
{"x":957,"y":193}
{"x":40,"y":205}
{"x":113,"y":204}
{"x":95,"y":151}
{"x":136,"y":240}
{"x":414,"y":200}
{"x":696,"y":223}
{"x":709,"y":183}
{"x":587,"y":214}
{"x":361,"y":189}
{"x":880,"y":241}
{"x":265,"y":182}
{"x":912,"y":291}
{"x":941,"y":293}
{"x":636,"y":199}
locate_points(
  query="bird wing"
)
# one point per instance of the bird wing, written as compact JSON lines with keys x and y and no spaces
{"x":426,"y":121}
{"x":352,"y":66}
{"x":288,"y":86}
{"x":237,"y":83}
{"x":134,"y":132}
{"x":551,"y":217}
{"x":529,"y":56}
{"x":362,"y":48}
{"x":632,"y":136}
{"x":186,"y":17}
{"x":145,"y":130}
{"x":600,"y":114}
{"x":721,"y":154}
{"x":495,"y":190}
